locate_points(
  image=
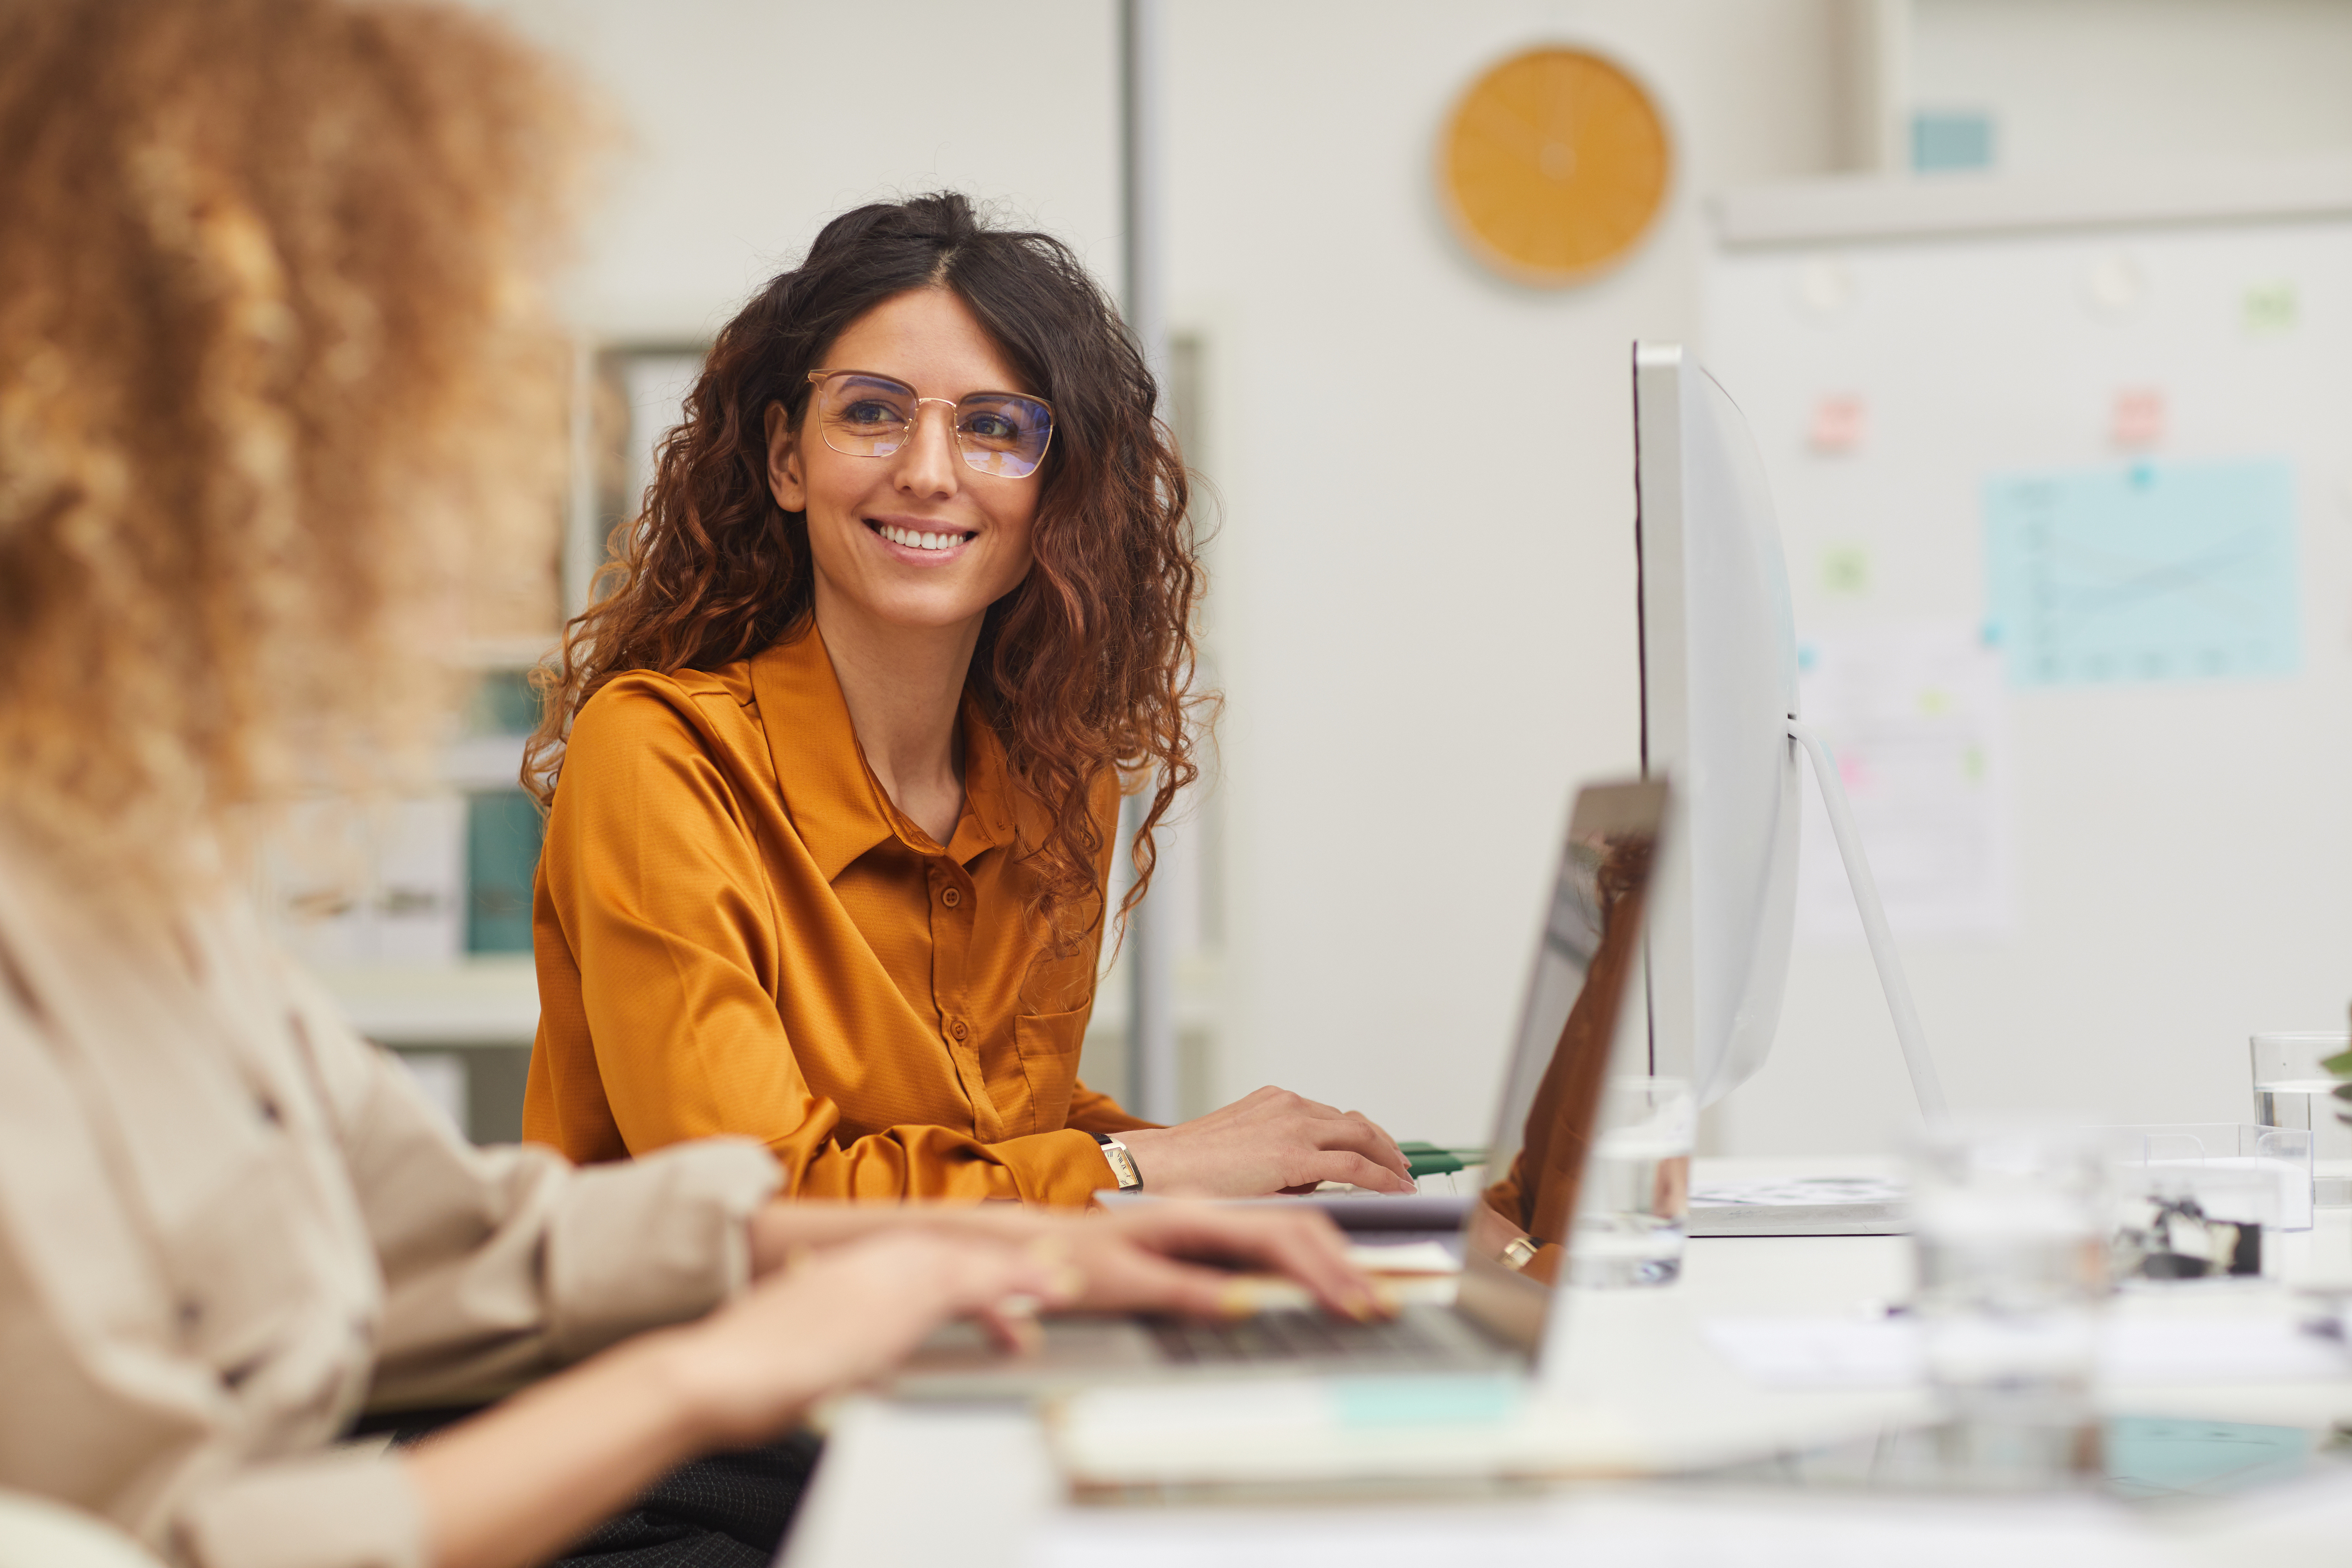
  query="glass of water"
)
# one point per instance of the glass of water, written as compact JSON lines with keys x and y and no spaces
{"x":1636,"y":1197}
{"x":2009,"y":1227}
{"x":2292,"y":1089}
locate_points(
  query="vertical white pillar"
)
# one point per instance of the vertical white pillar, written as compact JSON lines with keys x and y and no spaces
{"x":1876,"y":46}
{"x":583,"y":551}
{"x":1152,"y":1041}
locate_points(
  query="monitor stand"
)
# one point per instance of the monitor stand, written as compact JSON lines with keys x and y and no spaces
{"x":1825,"y":1206}
{"x":1842,"y":827}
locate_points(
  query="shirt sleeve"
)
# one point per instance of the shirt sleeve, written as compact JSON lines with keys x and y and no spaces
{"x":652,"y":877}
{"x":500,"y":1264}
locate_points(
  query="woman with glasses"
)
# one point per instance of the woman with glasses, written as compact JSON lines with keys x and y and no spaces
{"x":835,"y":765}
{"x":278,"y":399}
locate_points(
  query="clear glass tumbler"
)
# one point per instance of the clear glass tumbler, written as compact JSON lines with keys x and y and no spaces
{"x":2009,"y":1225}
{"x":2292,"y":1089}
{"x":1636,"y":1197}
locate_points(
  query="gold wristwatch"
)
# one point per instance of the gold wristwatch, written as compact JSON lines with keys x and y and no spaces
{"x":1519,"y":1251}
{"x":1122,"y":1163}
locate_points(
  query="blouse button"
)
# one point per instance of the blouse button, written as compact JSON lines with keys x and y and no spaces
{"x":958,"y":1029}
{"x":952,"y":897}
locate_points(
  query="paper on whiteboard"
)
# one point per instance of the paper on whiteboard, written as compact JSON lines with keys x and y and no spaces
{"x":1914,"y":715}
{"x":2144,"y":572}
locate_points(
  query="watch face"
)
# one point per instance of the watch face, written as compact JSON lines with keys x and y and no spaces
{"x":1122,"y":1164}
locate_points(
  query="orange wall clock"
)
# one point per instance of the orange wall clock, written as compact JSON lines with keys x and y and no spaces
{"x":1553,"y":165}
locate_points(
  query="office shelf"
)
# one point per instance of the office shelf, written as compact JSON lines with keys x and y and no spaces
{"x":482,"y":1003}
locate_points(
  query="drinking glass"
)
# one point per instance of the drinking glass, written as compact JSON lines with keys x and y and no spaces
{"x":2009,"y":1231}
{"x":2292,"y":1089}
{"x":1636,"y":1191}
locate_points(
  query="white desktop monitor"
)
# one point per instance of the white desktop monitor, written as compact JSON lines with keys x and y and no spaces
{"x":1718,"y":690}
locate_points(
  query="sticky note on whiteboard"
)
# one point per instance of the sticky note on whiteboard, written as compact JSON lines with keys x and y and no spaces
{"x":1837,"y":424}
{"x":2137,"y":421}
{"x":2144,"y":572}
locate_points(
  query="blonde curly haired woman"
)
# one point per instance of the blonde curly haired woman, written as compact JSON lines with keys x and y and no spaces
{"x":276,"y":391}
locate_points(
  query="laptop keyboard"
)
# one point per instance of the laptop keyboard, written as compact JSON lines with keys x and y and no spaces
{"x":1295,"y":1334}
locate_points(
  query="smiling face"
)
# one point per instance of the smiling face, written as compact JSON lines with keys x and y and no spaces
{"x":917,"y":540}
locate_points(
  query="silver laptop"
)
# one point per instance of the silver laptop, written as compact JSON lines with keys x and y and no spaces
{"x":1513,"y":1234}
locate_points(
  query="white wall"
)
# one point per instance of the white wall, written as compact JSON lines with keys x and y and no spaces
{"x":1423,"y":604}
{"x":2076,"y":84}
{"x":751,"y":124}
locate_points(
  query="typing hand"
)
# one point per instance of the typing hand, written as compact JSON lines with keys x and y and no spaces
{"x":1267,"y":1142}
{"x":836,"y":1318}
{"x":1159,"y":1258}
{"x":1173,"y":1258}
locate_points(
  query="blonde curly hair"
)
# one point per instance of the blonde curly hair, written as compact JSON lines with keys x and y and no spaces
{"x":281,"y":400}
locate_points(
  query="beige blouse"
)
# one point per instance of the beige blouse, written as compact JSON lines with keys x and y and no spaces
{"x":226,"y":1224}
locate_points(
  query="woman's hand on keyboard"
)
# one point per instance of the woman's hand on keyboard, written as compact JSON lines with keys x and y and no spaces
{"x":833,"y":1319}
{"x":1267,"y":1142}
{"x":1175,"y":1257}
{"x":1178,"y":1257}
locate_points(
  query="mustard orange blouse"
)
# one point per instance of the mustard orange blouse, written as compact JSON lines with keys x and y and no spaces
{"x":736,"y":932}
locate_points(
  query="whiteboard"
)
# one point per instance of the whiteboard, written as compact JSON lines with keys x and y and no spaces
{"x":2175,"y":848}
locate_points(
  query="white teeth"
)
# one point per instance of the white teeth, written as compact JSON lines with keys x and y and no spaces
{"x":913,"y":541}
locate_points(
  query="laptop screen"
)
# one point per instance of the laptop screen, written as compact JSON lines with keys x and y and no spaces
{"x":1516,"y":1234}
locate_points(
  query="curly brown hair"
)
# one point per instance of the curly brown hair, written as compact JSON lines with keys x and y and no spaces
{"x":1086,"y":668}
{"x":276,"y":392}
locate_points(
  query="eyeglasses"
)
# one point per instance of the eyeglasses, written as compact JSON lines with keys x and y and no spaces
{"x":862,"y":415}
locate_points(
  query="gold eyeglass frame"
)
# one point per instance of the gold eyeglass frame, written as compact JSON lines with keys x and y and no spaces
{"x":819,"y":377}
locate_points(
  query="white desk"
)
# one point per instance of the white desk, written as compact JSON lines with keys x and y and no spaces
{"x":903,"y":1486}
